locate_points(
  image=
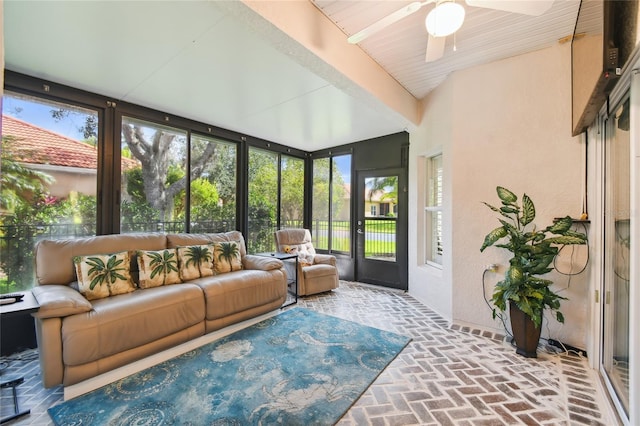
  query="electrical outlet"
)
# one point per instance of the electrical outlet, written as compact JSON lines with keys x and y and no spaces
{"x":492,"y":267}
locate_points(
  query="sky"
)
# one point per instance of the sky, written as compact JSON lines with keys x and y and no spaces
{"x":39,"y":114}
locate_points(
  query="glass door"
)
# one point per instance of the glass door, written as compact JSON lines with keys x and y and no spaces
{"x":617,"y":222}
{"x":381,"y":256}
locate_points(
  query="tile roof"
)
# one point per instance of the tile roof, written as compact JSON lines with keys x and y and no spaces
{"x":36,"y":145}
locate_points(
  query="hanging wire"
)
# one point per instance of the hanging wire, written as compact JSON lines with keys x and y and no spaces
{"x":498,"y":314}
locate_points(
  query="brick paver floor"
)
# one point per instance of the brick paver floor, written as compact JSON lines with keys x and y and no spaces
{"x":447,"y":375}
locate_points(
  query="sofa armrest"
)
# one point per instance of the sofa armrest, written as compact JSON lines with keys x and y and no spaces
{"x":262,"y":263}
{"x":49,"y":335}
{"x":324,"y":258}
{"x":57,"y":301}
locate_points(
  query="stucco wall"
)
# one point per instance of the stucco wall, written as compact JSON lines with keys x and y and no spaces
{"x":510,"y":125}
{"x":429,"y":284}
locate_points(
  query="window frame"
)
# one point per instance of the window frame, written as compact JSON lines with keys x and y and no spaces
{"x":434,"y":183}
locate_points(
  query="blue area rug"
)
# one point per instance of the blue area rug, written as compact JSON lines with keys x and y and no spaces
{"x":296,"y":368}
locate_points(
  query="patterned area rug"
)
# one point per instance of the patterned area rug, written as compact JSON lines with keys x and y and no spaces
{"x":296,"y":368}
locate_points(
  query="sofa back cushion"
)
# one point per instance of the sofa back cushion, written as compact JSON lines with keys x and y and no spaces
{"x":178,"y":240}
{"x":54,"y":258}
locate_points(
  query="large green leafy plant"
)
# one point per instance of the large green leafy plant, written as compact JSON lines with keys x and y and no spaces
{"x":533,"y":252}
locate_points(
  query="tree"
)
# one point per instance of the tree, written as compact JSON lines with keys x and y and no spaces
{"x":292,"y":189}
{"x":19,"y":184}
{"x":387,"y":185}
{"x":321,"y":192}
{"x":155,"y":155}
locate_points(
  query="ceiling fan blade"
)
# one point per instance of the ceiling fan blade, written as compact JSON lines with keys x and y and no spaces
{"x":435,"y":48}
{"x":525,"y":7}
{"x":387,"y":20}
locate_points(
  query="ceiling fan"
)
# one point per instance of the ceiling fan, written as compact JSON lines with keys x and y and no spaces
{"x":447,"y":17}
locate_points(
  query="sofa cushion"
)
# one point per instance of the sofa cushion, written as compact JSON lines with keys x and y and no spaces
{"x":54,"y":258}
{"x":318,"y":270}
{"x":237,"y":291}
{"x":195,"y":261}
{"x":158,"y":267}
{"x":226,"y":257}
{"x":176,"y":240}
{"x":127,"y":321}
{"x":103,"y":275}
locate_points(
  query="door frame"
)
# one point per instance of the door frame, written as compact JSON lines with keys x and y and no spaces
{"x":380,"y":272}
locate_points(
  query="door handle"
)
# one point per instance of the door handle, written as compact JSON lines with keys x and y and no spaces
{"x":359,"y":231}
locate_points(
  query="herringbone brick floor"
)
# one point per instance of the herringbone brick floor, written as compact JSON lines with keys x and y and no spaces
{"x":447,"y":375}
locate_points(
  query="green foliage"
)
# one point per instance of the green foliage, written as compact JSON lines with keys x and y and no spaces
{"x":321,"y":169}
{"x":135,"y":185}
{"x":533,"y":252}
{"x":44,"y":216}
{"x":19,"y":185}
{"x":292,"y":189}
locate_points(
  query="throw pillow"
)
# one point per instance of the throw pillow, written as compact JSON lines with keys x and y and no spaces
{"x":159,"y":267}
{"x":226,"y":256}
{"x":103,"y":275}
{"x":195,"y":261}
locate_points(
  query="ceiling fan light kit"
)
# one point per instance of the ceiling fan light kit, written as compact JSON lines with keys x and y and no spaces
{"x":445,"y":19}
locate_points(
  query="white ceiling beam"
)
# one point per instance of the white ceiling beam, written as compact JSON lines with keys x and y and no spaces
{"x":301,"y":31}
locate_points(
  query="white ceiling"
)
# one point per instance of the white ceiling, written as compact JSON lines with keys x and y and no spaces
{"x":199,"y":60}
{"x":486,"y":35}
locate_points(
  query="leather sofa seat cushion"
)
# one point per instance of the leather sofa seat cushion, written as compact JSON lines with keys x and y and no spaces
{"x":238,"y":291}
{"x":318,"y":270}
{"x":127,"y":321}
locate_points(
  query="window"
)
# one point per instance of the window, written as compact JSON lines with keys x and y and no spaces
{"x":213,"y":190}
{"x":374,"y":210}
{"x":263,"y":200}
{"x":291,"y":192}
{"x":48,"y":180}
{"x":433,"y":210}
{"x":154,"y":164}
{"x":276,"y":197}
{"x":331,"y":203}
{"x":154,"y":179}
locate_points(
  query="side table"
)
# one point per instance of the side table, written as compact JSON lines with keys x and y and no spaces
{"x":26,"y":306}
{"x":292,"y":280}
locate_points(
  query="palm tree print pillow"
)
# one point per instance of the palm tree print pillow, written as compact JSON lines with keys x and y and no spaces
{"x":195,"y":261}
{"x":103,"y":275}
{"x":158,"y":268}
{"x":226,"y":257}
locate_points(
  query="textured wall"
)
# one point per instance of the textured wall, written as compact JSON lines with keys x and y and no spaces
{"x":509,"y":124}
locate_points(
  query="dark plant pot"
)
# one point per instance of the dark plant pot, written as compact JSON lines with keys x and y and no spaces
{"x":525,"y":333}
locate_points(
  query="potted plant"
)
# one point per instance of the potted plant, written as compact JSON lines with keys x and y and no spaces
{"x":533,"y":250}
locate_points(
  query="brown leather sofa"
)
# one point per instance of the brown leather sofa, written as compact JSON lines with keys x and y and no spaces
{"x":79,"y":339}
